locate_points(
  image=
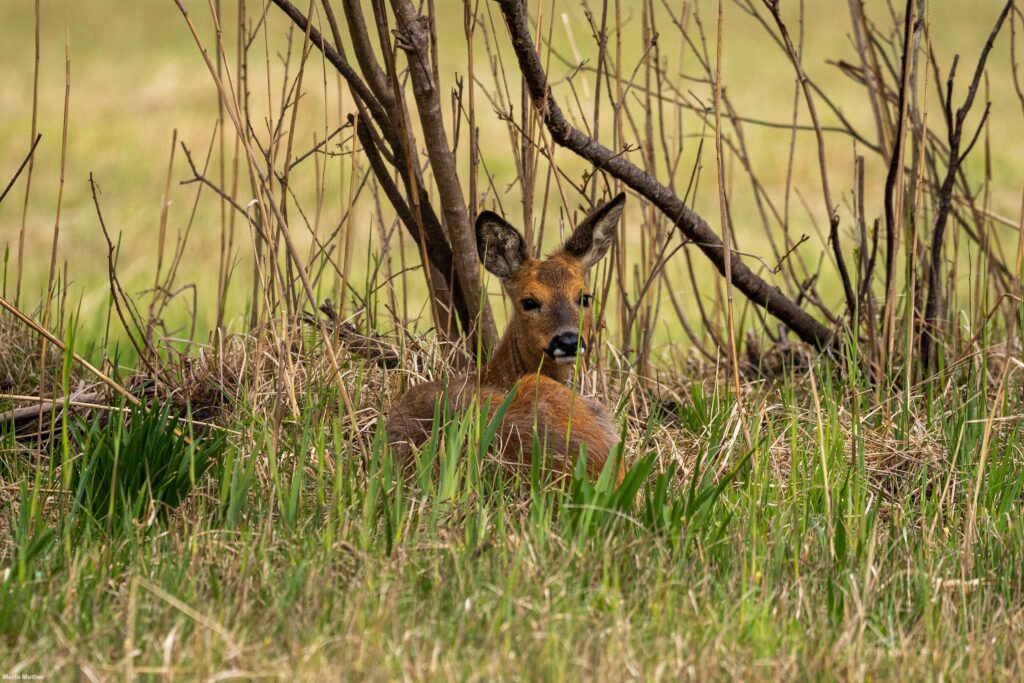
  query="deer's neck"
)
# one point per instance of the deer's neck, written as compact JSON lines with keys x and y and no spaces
{"x":512,"y":359}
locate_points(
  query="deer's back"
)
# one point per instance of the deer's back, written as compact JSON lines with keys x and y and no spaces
{"x":565,"y":421}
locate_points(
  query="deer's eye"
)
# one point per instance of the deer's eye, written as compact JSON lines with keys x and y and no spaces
{"x":530,"y":305}
{"x":585,"y":300}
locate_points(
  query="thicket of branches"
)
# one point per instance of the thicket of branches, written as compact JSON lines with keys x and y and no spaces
{"x":411,"y":145}
{"x":387,"y":55}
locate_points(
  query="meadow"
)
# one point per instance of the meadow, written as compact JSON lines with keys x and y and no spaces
{"x":194,"y":478}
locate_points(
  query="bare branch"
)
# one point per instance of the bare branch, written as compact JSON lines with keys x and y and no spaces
{"x":28,"y":157}
{"x":415,"y":39}
{"x":693,"y":226}
{"x":956,"y":159}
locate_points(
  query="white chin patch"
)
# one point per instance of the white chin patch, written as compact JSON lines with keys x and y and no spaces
{"x":563,"y":359}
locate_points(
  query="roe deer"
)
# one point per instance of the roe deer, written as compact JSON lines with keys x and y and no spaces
{"x":548,"y":330}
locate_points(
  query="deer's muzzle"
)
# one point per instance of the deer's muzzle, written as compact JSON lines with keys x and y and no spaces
{"x":564,"y":347}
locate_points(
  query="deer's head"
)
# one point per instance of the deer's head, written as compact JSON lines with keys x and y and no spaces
{"x":551,"y":297}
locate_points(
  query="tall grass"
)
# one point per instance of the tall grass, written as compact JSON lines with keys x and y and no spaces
{"x":840,"y":516}
{"x":819,"y":551}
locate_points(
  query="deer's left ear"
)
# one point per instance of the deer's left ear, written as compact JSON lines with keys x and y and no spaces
{"x":595,"y":233}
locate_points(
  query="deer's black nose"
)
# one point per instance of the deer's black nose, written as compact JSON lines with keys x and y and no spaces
{"x":563,"y":347}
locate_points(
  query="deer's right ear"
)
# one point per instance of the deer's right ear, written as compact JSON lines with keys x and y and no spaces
{"x":500,"y":246}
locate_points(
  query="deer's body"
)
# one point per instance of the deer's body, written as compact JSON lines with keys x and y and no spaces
{"x":535,"y":357}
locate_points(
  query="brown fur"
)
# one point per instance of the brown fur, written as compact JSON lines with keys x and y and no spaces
{"x":564,"y":421}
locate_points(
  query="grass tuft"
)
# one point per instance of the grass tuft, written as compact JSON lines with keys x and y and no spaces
{"x":137,"y":463}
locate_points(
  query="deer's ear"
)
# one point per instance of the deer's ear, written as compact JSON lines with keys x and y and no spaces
{"x":501,"y":248}
{"x":595,"y":233}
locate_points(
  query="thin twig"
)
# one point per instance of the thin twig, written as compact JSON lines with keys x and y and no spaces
{"x":25,"y":161}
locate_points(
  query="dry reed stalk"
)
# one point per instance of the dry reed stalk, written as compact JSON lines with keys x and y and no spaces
{"x":47,"y":301}
{"x":918,"y":181}
{"x":727,"y":230}
{"x":31,"y":161}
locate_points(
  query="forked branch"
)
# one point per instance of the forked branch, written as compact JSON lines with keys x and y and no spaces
{"x":945,"y":203}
